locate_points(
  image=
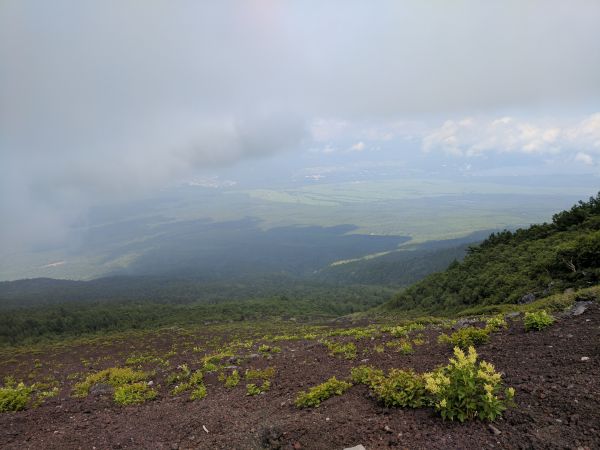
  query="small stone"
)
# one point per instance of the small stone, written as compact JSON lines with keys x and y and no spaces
{"x":366,"y":360}
{"x":585,"y":358}
{"x":356,"y":447}
{"x":579,"y":308}
{"x":150,"y":383}
{"x":494,"y":430}
{"x":387,"y":428}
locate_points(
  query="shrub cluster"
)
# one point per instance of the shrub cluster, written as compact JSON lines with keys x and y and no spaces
{"x":14,"y":397}
{"x":321,"y":392}
{"x":130,"y":385}
{"x":401,"y":388}
{"x":401,"y":346}
{"x":464,"y":389}
{"x":536,"y":321}
{"x":268,"y":349}
{"x":134,"y":393}
{"x":466,"y":337}
{"x":347,"y":350}
{"x":257,"y":374}
{"x":187,"y":380}
{"x":496,"y":323}
{"x":255,"y":389}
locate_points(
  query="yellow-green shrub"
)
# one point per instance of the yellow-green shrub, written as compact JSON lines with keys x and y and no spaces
{"x":258,"y":374}
{"x":347,"y":350}
{"x":135,"y":393}
{"x":14,"y":397}
{"x":496,"y":323}
{"x":466,"y":337}
{"x":401,"y":388}
{"x":114,"y":376}
{"x":198,"y":393}
{"x":232,"y":380}
{"x":366,"y":375}
{"x":321,"y":392}
{"x":536,"y":321}
{"x":466,"y":389}
{"x":254,"y":389}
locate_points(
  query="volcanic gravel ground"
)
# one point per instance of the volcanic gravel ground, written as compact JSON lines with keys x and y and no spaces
{"x":557,"y":395}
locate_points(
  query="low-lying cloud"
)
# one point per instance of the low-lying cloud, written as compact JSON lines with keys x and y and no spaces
{"x":471,"y":137}
{"x":104,"y":100}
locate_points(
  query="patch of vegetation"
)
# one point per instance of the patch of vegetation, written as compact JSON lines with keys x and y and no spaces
{"x":254,"y":389}
{"x":347,"y":350}
{"x":231,"y":380}
{"x":540,"y":260}
{"x":186,"y":380}
{"x":403,"y":388}
{"x":198,"y":393}
{"x":268,"y":349}
{"x":130,"y":385}
{"x":496,"y":323}
{"x":357,"y":333}
{"x":401,"y":346}
{"x":321,"y":392}
{"x":14,"y":397}
{"x":404,"y":330}
{"x":536,"y":321}
{"x":143,"y":359}
{"x":260,"y":374}
{"x":466,"y":337}
{"x":134,"y":393}
{"x":466,"y":389}
{"x":366,"y":375}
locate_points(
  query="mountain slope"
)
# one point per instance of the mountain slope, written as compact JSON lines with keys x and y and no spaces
{"x":539,"y":260}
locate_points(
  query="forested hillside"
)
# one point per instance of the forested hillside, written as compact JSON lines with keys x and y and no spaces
{"x":507,"y":266}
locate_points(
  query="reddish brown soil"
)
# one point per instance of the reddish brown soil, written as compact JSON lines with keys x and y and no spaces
{"x":558,"y":400}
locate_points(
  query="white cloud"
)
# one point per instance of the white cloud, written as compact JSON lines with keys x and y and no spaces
{"x":584,"y":158}
{"x":472,"y":137}
{"x":358,"y":147}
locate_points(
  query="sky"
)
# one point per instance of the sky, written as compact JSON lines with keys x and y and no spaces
{"x":105,"y":100}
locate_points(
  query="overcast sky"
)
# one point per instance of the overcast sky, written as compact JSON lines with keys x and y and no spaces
{"x":105,"y":99}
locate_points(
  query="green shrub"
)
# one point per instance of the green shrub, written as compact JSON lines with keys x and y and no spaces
{"x":536,"y":321}
{"x":130,"y":385}
{"x":496,"y":323}
{"x":321,"y":392}
{"x":366,"y":375}
{"x":404,"y":330}
{"x":14,"y":397}
{"x":466,"y":389}
{"x":232,"y":380}
{"x":401,"y":388}
{"x":135,"y":393}
{"x":254,"y":389}
{"x":401,"y":346}
{"x":258,"y":374}
{"x":357,"y":333}
{"x":198,"y":393}
{"x":466,"y":337}
{"x":348,"y":350}
{"x":185,"y":380}
{"x":268,"y":349}
{"x":114,"y":376}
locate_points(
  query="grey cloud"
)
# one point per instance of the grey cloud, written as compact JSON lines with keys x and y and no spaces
{"x":110,"y":98}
